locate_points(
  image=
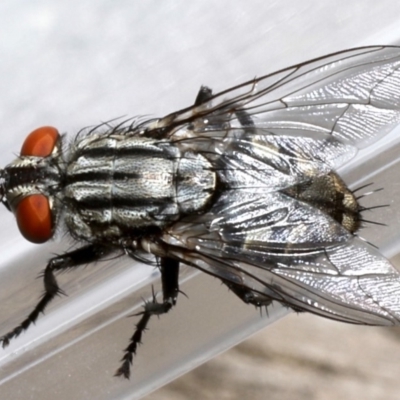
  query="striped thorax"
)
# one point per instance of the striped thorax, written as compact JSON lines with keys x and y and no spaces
{"x":118,"y":185}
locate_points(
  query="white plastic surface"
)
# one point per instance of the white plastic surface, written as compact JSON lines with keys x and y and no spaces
{"x":73,"y":64}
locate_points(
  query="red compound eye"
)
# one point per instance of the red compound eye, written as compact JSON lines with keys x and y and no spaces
{"x":34,"y":218}
{"x":40,"y":142}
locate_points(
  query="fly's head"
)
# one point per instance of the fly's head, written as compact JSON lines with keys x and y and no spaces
{"x":29,"y":185}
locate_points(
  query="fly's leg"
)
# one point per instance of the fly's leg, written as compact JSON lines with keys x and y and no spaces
{"x":248,"y":296}
{"x":68,"y":260}
{"x":170,"y":288}
{"x":244,"y":118}
{"x":205,"y":94}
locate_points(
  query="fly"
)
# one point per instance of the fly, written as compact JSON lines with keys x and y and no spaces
{"x":241,"y":185}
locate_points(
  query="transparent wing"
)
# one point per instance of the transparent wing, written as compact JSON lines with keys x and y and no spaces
{"x":258,"y":161}
{"x":351,"y":96}
{"x":274,"y":132}
{"x":288,"y":251}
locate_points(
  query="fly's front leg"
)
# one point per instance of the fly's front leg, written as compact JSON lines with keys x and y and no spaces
{"x":71,"y":259}
{"x":170,"y":288}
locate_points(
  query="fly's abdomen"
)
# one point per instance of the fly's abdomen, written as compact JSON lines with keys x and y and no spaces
{"x":118,"y":185}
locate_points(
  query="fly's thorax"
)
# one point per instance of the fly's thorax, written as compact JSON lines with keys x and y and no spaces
{"x":117,"y":185}
{"x":331,"y":195}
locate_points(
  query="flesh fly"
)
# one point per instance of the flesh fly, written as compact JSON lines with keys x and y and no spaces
{"x":241,"y":185}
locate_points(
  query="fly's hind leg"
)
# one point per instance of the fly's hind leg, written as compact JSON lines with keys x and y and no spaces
{"x":72,"y":259}
{"x":205,"y":94}
{"x":248,"y":296}
{"x":170,"y":288}
{"x":244,"y":118}
{"x":258,"y":299}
